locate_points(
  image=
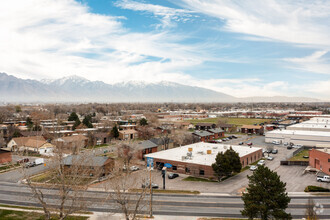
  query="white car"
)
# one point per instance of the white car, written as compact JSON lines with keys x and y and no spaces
{"x":297,"y":146}
{"x":270,"y":158}
{"x":253,"y":168}
{"x":261,"y":162}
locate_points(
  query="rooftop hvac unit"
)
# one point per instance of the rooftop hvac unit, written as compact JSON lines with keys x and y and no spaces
{"x":189,"y":154}
{"x":215,"y":147}
{"x":183,"y":157}
{"x":190,"y":149}
{"x":209,"y":151}
{"x":200,"y":152}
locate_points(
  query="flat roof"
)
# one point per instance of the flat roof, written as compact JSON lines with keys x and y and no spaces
{"x":310,"y":125}
{"x":199,"y":153}
{"x":300,"y":132}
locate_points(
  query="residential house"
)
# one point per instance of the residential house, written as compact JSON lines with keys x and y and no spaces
{"x":217,"y":132}
{"x":203,"y":136}
{"x":252,"y":129}
{"x":205,"y":126}
{"x":154,"y":145}
{"x":102,"y":138}
{"x":71,"y":144}
{"x":128,"y":134}
{"x":34,"y":144}
{"x":88,"y":166}
{"x":226,"y":127}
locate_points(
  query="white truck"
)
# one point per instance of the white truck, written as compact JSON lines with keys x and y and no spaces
{"x":39,"y":161}
{"x":323,"y":179}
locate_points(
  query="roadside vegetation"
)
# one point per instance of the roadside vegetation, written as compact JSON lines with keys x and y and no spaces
{"x":301,"y":156}
{"x":197,"y":179}
{"x":316,"y":189}
{"x":28,"y":215}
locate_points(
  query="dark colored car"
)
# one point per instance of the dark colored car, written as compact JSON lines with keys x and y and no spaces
{"x":230,"y":137}
{"x":274,"y":151}
{"x":173,"y":175}
{"x":233,"y":136}
{"x":240,"y":143}
{"x":289,"y":147}
{"x":24,"y":160}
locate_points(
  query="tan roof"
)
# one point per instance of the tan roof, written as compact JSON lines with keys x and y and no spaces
{"x":252,"y":126}
{"x":34,"y":141}
{"x":74,"y":138}
{"x":128,"y":131}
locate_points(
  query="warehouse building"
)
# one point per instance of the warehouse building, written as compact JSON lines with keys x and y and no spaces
{"x":197,"y":159}
{"x":320,"y":159}
{"x":306,"y":138}
{"x":309,"y":127}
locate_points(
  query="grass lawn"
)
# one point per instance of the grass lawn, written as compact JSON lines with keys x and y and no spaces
{"x":300,"y":156}
{"x":42,"y":177}
{"x":197,"y":179}
{"x":21,"y":215}
{"x":235,"y":121}
{"x":3,"y":168}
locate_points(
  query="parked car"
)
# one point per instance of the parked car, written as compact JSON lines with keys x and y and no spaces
{"x":276,"y":142}
{"x":286,"y":144}
{"x":297,"y":146}
{"x":264,"y":150}
{"x":173,"y":175}
{"x":261,"y":162}
{"x":270,"y":158}
{"x":240,"y":143}
{"x":134,"y":168}
{"x":229,"y":137}
{"x":233,"y":136}
{"x":24,"y":160}
{"x":323,"y":179}
{"x":289,"y":147}
{"x":253,"y":168}
{"x":269,"y":151}
{"x":249,"y":144}
{"x":153,"y":185}
{"x":219,"y":141}
{"x":275,"y":151}
{"x":29,"y":164}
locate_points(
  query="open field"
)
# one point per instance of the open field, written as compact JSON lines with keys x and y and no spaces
{"x":235,"y":121}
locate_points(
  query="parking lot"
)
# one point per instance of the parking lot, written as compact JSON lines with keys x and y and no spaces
{"x":294,"y":176}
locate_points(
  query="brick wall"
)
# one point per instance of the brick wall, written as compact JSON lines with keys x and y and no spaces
{"x":320,"y":160}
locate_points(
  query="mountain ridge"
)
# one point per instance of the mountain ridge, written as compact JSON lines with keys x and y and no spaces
{"x":79,"y":89}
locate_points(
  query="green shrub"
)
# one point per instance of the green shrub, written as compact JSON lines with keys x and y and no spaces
{"x":316,"y":189}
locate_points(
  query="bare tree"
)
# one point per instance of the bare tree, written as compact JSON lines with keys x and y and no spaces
{"x":69,"y":177}
{"x":310,"y":210}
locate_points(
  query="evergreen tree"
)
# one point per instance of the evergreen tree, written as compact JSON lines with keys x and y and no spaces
{"x":88,"y":121}
{"x":115,"y":132}
{"x":29,"y":123}
{"x":143,"y":122}
{"x":266,"y":197}
{"x":73,"y":117}
{"x":76,"y":124}
{"x":226,"y":163}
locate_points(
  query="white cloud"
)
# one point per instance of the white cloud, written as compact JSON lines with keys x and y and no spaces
{"x":316,"y":62}
{"x":51,"y":39}
{"x":166,"y":14}
{"x":299,"y":22}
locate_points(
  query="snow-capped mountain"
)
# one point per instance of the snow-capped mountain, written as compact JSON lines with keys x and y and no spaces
{"x":78,"y":89}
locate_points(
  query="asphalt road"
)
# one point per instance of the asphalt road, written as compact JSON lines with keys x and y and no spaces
{"x":163,"y":204}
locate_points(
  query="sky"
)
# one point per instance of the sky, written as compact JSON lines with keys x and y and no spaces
{"x":239,"y":47}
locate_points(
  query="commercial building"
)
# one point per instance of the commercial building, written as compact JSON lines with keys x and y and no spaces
{"x":252,"y":129}
{"x":197,"y":159}
{"x":306,"y":138}
{"x":320,"y":159}
{"x":5,"y":156}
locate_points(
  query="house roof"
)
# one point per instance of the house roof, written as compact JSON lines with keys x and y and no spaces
{"x":252,"y":126}
{"x":215,"y":130}
{"x":202,"y":133}
{"x":128,"y":131}
{"x":85,"y":161}
{"x":224,"y":125}
{"x":160,"y":141}
{"x":34,"y":141}
{"x":147,"y":144}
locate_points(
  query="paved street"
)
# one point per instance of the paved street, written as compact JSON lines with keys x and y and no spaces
{"x":163,"y":204}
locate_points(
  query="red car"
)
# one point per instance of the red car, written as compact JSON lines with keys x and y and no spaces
{"x":249,"y":144}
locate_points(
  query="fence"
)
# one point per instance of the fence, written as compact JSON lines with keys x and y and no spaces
{"x":294,"y":163}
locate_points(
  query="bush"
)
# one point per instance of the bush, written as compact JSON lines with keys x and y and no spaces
{"x":316,"y":189}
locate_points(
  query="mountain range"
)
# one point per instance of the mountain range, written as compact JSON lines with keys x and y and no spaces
{"x":78,"y":89}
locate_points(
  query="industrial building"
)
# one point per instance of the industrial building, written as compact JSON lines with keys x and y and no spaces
{"x":197,"y":159}
{"x":320,"y":159}
{"x":306,"y":138}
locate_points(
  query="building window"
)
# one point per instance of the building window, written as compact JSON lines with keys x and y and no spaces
{"x":174,"y":168}
{"x":201,"y":172}
{"x":187,"y":170}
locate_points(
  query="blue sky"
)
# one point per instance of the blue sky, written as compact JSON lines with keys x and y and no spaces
{"x":242,"y":48}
